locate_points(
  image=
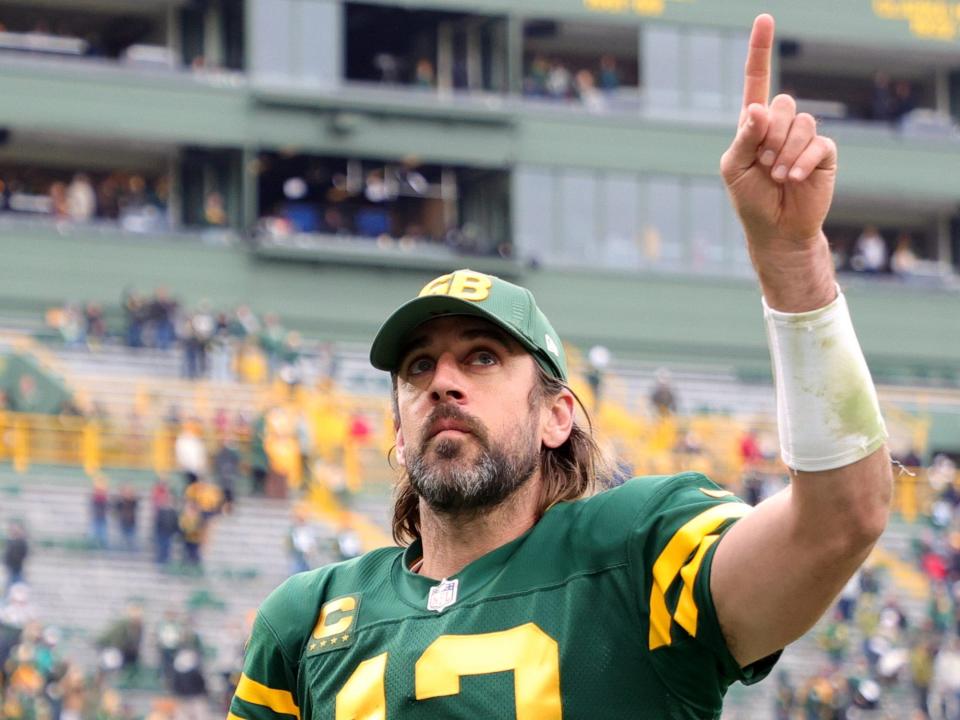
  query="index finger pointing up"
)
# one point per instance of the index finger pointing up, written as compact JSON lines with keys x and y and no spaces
{"x":756,"y":76}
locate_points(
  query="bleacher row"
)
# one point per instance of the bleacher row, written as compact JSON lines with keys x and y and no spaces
{"x":81,"y":590}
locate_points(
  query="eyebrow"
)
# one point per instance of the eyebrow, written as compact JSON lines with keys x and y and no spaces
{"x":491,"y":333}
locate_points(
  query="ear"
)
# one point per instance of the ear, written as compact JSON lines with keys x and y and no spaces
{"x":399,"y":448}
{"x":557,"y":420}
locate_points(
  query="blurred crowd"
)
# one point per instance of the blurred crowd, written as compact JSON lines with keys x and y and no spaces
{"x":553,"y":79}
{"x":891,"y":99}
{"x":403,"y":204}
{"x":180,"y":521}
{"x":134,"y":41}
{"x":870,"y":253}
{"x":43,"y":33}
{"x":879,"y":658}
{"x":137,"y":202}
{"x":218,"y":345}
{"x":215,"y":344}
{"x":38,"y":680}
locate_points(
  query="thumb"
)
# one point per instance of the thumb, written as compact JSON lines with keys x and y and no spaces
{"x":742,"y":153}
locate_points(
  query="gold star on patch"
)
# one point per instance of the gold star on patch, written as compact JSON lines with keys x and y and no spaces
{"x":323,"y":643}
{"x":313,"y":646}
{"x":344,"y":638}
{"x":333,"y":640}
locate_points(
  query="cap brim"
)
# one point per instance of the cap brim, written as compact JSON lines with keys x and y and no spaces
{"x":393,"y":336}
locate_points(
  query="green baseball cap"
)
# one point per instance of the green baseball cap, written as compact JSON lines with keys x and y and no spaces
{"x":467,"y":292}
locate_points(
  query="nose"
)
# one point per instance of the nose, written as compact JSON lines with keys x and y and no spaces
{"x":447,"y":382}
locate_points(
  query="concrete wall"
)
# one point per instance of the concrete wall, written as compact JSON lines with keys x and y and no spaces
{"x":703,"y":320}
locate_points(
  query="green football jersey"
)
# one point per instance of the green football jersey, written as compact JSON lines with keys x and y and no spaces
{"x":601,"y":610}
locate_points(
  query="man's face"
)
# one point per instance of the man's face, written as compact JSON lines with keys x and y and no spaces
{"x":469,"y":435}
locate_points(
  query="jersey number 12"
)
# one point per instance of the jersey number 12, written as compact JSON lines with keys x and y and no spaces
{"x":528,"y":651}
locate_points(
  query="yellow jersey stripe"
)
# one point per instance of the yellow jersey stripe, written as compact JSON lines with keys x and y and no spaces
{"x":280,"y":701}
{"x":686,"y":614}
{"x":231,"y":716}
{"x":674,"y":556}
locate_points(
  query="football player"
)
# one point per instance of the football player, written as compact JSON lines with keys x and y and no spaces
{"x":519,"y":593}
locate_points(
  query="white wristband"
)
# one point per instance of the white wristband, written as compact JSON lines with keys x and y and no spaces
{"x":828,"y":414}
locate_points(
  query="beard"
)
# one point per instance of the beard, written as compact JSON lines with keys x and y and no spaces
{"x":451,"y":482}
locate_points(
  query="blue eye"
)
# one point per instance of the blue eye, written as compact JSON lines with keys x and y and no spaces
{"x":420,"y":365}
{"x":483,"y":358}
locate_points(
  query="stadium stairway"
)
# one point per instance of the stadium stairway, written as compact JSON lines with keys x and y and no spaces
{"x":81,"y":591}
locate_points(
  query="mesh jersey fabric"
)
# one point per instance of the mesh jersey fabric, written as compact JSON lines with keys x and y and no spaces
{"x":602,"y":609}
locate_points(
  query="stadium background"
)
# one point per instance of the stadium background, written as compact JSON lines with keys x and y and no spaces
{"x":165,"y":161}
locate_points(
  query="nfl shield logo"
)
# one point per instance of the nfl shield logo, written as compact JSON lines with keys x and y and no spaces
{"x":443,"y":595}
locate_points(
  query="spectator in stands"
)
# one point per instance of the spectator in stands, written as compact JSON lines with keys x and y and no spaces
{"x":160,"y":492}
{"x":870,"y":253}
{"x":586,"y":90}
{"x":188,"y":685}
{"x":882,"y":101}
{"x":388,"y":67}
{"x":18,"y":609}
{"x":424,"y":75}
{"x":161,"y":315}
{"x":99,"y":508}
{"x":221,"y":353}
{"x":125,"y":636}
{"x":81,"y":198}
{"x":335,"y":222}
{"x":226,"y":469}
{"x":609,"y":80}
{"x":785,"y":699}
{"x":259,"y":460}
{"x":125,"y":509}
{"x":835,"y":639}
{"x":196,"y":337}
{"x":905,"y":263}
{"x":559,"y":81}
{"x":166,"y":526}
{"x":96,"y":326}
{"x":535,"y":84}
{"x":15,"y":551}
{"x":168,"y":637}
{"x":291,"y":367}
{"x":192,"y":531}
{"x":944,"y":696}
{"x":190,"y":452}
{"x":923,"y":651}
{"x":135,"y":314}
{"x":751,"y":459}
{"x":301,"y":542}
{"x":847,"y":602}
{"x":108,"y":197}
{"x":662,"y":396}
{"x":214,"y":210}
{"x":904,"y":101}
{"x":58,"y":200}
{"x":272,"y":340}
{"x":206,"y":496}
{"x":244,"y":323}
{"x":348,"y":541}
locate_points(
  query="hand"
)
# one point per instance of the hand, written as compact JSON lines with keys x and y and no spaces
{"x":779,"y":172}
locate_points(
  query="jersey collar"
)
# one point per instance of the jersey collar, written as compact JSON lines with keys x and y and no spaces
{"x":414,"y":589}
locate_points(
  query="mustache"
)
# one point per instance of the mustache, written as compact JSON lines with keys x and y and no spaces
{"x":451,"y":412}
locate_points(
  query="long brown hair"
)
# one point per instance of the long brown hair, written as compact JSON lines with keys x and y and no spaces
{"x":567,"y":472}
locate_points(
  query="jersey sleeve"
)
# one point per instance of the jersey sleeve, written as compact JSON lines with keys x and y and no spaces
{"x":268,"y":686}
{"x":671,"y":551}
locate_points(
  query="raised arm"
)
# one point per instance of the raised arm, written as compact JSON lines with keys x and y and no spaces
{"x":778,"y":569}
